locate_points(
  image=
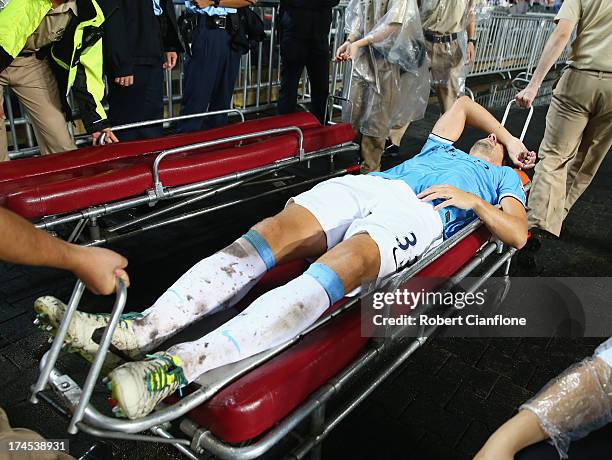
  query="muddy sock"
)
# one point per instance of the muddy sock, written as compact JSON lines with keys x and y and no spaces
{"x":272,"y":319}
{"x":217,"y":282}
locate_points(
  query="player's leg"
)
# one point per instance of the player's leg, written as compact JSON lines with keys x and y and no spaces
{"x":369,"y":251}
{"x":274,"y":318}
{"x":312,"y":222}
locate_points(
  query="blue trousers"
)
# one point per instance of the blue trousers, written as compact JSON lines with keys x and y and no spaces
{"x":142,"y":101}
{"x":209,"y":77}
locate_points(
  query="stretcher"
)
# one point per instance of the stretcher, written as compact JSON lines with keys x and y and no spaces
{"x":77,"y":188}
{"x":242,"y":410}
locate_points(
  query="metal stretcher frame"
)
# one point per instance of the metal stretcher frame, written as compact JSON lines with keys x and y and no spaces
{"x":195,"y":192}
{"x":87,"y":418}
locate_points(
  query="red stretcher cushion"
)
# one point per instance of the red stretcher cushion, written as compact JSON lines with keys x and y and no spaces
{"x":257,"y":401}
{"x":69,"y":190}
{"x":96,"y":157}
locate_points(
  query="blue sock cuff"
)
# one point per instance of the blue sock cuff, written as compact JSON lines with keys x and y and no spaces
{"x":262,"y":247}
{"x":329,"y":280}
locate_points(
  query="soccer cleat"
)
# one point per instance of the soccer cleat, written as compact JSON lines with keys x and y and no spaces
{"x":137,"y":387}
{"x":79,"y":337}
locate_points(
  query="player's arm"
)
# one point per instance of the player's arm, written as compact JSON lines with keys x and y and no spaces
{"x":22,"y":243}
{"x":509,"y":223}
{"x":467,"y":112}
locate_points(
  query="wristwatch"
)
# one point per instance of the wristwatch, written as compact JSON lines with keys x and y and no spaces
{"x":472,"y":40}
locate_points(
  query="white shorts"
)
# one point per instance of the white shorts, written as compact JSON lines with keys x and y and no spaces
{"x":403,"y":226}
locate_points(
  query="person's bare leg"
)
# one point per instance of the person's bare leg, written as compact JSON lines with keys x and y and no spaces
{"x":274,"y":318}
{"x":216,"y":282}
{"x":294,"y":233}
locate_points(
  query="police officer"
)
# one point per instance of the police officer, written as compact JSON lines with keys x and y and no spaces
{"x":47,"y":48}
{"x":136,"y":66}
{"x":304,"y":42}
{"x":210,"y":72}
{"x":579,"y":121}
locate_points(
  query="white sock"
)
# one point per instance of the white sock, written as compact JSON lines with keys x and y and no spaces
{"x":272,"y":319}
{"x":214,"y":283}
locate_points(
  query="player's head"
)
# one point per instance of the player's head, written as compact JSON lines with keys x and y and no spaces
{"x":489,"y":149}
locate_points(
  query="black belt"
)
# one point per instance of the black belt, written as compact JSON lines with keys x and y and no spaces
{"x":217,"y":22}
{"x":435,"y":37}
{"x":26,"y":54}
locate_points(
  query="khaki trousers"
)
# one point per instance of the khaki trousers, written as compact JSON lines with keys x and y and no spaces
{"x":578,"y":135}
{"x":7,"y":433}
{"x":372,"y":149}
{"x":447,"y":65}
{"x":34,"y":84}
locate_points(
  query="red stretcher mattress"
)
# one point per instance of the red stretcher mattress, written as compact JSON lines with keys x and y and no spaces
{"x":66,"y":182}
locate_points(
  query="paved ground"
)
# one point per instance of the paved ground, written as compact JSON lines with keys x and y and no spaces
{"x":442,"y":404}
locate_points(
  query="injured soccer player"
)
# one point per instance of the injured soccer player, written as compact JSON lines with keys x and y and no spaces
{"x":358,"y":228}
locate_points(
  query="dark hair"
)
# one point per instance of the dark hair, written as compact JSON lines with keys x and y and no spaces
{"x":506,"y":161}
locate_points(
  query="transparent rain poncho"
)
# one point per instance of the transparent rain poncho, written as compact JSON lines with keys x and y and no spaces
{"x":390,"y":82}
{"x":577,"y":401}
{"x":448,"y":61}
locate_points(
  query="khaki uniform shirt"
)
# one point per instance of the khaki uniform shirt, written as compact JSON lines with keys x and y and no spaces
{"x":375,"y":10}
{"x":592,"y":49}
{"x":445,"y":16}
{"x":52,"y":27}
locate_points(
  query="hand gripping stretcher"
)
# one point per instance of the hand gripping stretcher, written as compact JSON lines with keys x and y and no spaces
{"x":242,"y":410}
{"x":77,"y":188}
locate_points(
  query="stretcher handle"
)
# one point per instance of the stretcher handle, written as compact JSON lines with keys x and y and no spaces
{"x":525,"y":126}
{"x":141,"y":124}
{"x":98,"y":362}
{"x":52,"y":355}
{"x":159,"y":188}
{"x":50,"y":358}
{"x":345,"y":90}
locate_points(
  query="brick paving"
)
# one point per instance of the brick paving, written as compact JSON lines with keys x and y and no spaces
{"x":441,"y":404}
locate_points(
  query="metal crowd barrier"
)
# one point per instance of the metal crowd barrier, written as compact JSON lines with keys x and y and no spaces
{"x":506,"y":44}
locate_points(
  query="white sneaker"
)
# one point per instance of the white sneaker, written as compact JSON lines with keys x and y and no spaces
{"x":85,"y":326}
{"x":138,"y":387}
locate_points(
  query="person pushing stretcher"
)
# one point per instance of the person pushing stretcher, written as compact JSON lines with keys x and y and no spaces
{"x":358,"y":228}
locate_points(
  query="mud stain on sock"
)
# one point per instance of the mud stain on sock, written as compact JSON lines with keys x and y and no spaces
{"x":235,"y":249}
{"x":287,"y":323}
{"x":229,"y":269}
{"x":153,"y":335}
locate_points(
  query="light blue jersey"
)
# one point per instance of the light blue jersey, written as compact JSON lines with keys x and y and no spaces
{"x":209,"y":10}
{"x":440,"y":163}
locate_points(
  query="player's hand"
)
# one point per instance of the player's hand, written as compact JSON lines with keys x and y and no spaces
{"x":526,"y":97}
{"x":2,"y":115}
{"x":98,"y":268}
{"x":171,"y":58}
{"x":471,"y":52}
{"x":519,"y":154}
{"x":109,"y":137}
{"x":451,"y":196}
{"x":341,"y":52}
{"x":126,"y":81}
